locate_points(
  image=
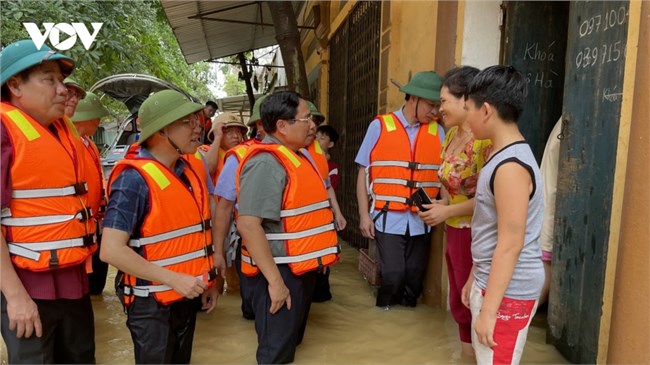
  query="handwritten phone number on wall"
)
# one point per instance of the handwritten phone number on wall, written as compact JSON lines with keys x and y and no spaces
{"x":612,"y":52}
{"x":611,"y":19}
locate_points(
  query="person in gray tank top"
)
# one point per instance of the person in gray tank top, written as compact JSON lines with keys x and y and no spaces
{"x":508,"y":273}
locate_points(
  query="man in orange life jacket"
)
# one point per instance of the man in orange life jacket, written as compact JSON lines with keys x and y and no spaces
{"x":322,"y":287}
{"x":47,"y":315}
{"x":226,"y":241}
{"x":287,"y":226}
{"x":157,"y":231}
{"x":86,"y":118}
{"x":399,"y":154}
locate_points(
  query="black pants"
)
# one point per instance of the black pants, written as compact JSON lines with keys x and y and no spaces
{"x":322,"y":289}
{"x":97,"y":279}
{"x":278,"y":334}
{"x":162,"y":334}
{"x":245,"y":291}
{"x":68,"y":334}
{"x":403,"y":262}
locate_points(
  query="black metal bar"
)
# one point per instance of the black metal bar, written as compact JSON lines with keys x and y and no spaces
{"x":238,"y":64}
{"x":244,"y":22}
{"x":225,"y":9}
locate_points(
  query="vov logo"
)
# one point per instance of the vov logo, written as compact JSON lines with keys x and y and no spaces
{"x":53,"y":31}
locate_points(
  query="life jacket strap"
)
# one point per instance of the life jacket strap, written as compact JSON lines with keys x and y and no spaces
{"x":76,"y":189}
{"x":297,"y":258}
{"x":203,"y":252}
{"x":33,"y":250}
{"x":139,"y":242}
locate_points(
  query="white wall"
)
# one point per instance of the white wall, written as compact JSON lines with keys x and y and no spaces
{"x":481,"y":33}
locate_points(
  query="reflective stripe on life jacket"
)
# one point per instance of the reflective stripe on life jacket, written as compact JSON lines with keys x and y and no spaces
{"x":94,"y":177}
{"x":309,"y":239}
{"x":176,"y":232}
{"x":396,"y":170}
{"x":47,"y":225}
{"x":317,"y":153}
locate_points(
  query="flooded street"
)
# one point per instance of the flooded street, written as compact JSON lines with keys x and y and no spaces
{"x":349,"y":329}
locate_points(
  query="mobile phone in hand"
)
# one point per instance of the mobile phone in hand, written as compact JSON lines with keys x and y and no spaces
{"x":420,"y":197}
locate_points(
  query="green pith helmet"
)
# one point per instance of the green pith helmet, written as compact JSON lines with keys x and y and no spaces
{"x":21,"y":55}
{"x":162,"y":109}
{"x":255,"y":116}
{"x":425,"y":85}
{"x":89,"y":108}
{"x":69,"y":81}
{"x":315,"y":113}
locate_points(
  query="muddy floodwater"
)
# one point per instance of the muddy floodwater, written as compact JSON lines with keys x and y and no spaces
{"x":349,"y":329}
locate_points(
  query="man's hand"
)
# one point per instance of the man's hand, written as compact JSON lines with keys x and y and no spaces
{"x":220,"y":264}
{"x":340,"y":222}
{"x":187,"y":285}
{"x":23,"y":316}
{"x":280,"y":295}
{"x":484,"y":327}
{"x":209,"y":299}
{"x":367,"y":226}
{"x":436,"y":214}
{"x":216,"y":131}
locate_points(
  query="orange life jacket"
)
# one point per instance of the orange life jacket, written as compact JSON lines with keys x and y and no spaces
{"x":48,"y":224}
{"x":94,"y":178}
{"x":396,"y":170}
{"x":175,"y":233}
{"x":317,"y":153}
{"x":309,"y":241}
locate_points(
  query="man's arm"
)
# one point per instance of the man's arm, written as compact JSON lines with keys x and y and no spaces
{"x":366,"y":224}
{"x":212,"y":156}
{"x":258,"y":247}
{"x":512,"y":187}
{"x":221,"y":225}
{"x":21,"y":309}
{"x":338,"y":216}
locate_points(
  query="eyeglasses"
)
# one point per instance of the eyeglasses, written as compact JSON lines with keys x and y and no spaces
{"x":304,"y":120}
{"x":191,"y":121}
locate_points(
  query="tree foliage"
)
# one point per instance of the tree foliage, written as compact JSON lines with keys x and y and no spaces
{"x":233,"y":85}
{"x":135,"y":38}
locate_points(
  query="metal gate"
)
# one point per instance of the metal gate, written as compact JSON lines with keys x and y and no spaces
{"x":353,"y":90}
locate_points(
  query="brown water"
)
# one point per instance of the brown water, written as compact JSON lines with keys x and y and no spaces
{"x":349,"y":329}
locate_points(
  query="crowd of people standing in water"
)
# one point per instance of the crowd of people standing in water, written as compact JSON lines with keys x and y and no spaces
{"x":181,"y":220}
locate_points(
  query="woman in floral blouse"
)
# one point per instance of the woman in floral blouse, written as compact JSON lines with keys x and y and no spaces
{"x":463,"y":158}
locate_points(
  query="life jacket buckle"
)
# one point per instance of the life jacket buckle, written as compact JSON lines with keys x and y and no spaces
{"x":411,"y":184}
{"x":80,"y":188}
{"x":207,"y":224}
{"x":85,"y":213}
{"x":413,"y":165}
{"x":88,"y":240}
{"x":209,"y":250}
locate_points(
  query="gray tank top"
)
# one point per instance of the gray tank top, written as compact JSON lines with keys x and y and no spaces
{"x":528,"y":276}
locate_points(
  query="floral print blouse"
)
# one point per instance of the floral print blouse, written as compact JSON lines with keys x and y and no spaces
{"x":459,"y":173}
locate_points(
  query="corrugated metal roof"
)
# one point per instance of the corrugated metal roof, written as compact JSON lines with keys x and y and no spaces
{"x":203,"y":39}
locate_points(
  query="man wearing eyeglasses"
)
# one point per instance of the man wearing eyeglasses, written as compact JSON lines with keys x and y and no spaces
{"x":75,"y":94}
{"x":285,"y":221}
{"x":399,"y":154}
{"x":157,"y":231}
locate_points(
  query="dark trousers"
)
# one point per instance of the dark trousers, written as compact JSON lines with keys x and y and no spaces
{"x":322,"y":289}
{"x":68,"y":334}
{"x":97,"y":279}
{"x":162,"y":334}
{"x":245,"y":291}
{"x":278,"y":334}
{"x":403,"y":262}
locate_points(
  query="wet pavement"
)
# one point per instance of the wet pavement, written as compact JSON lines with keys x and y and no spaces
{"x":349,"y":329}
